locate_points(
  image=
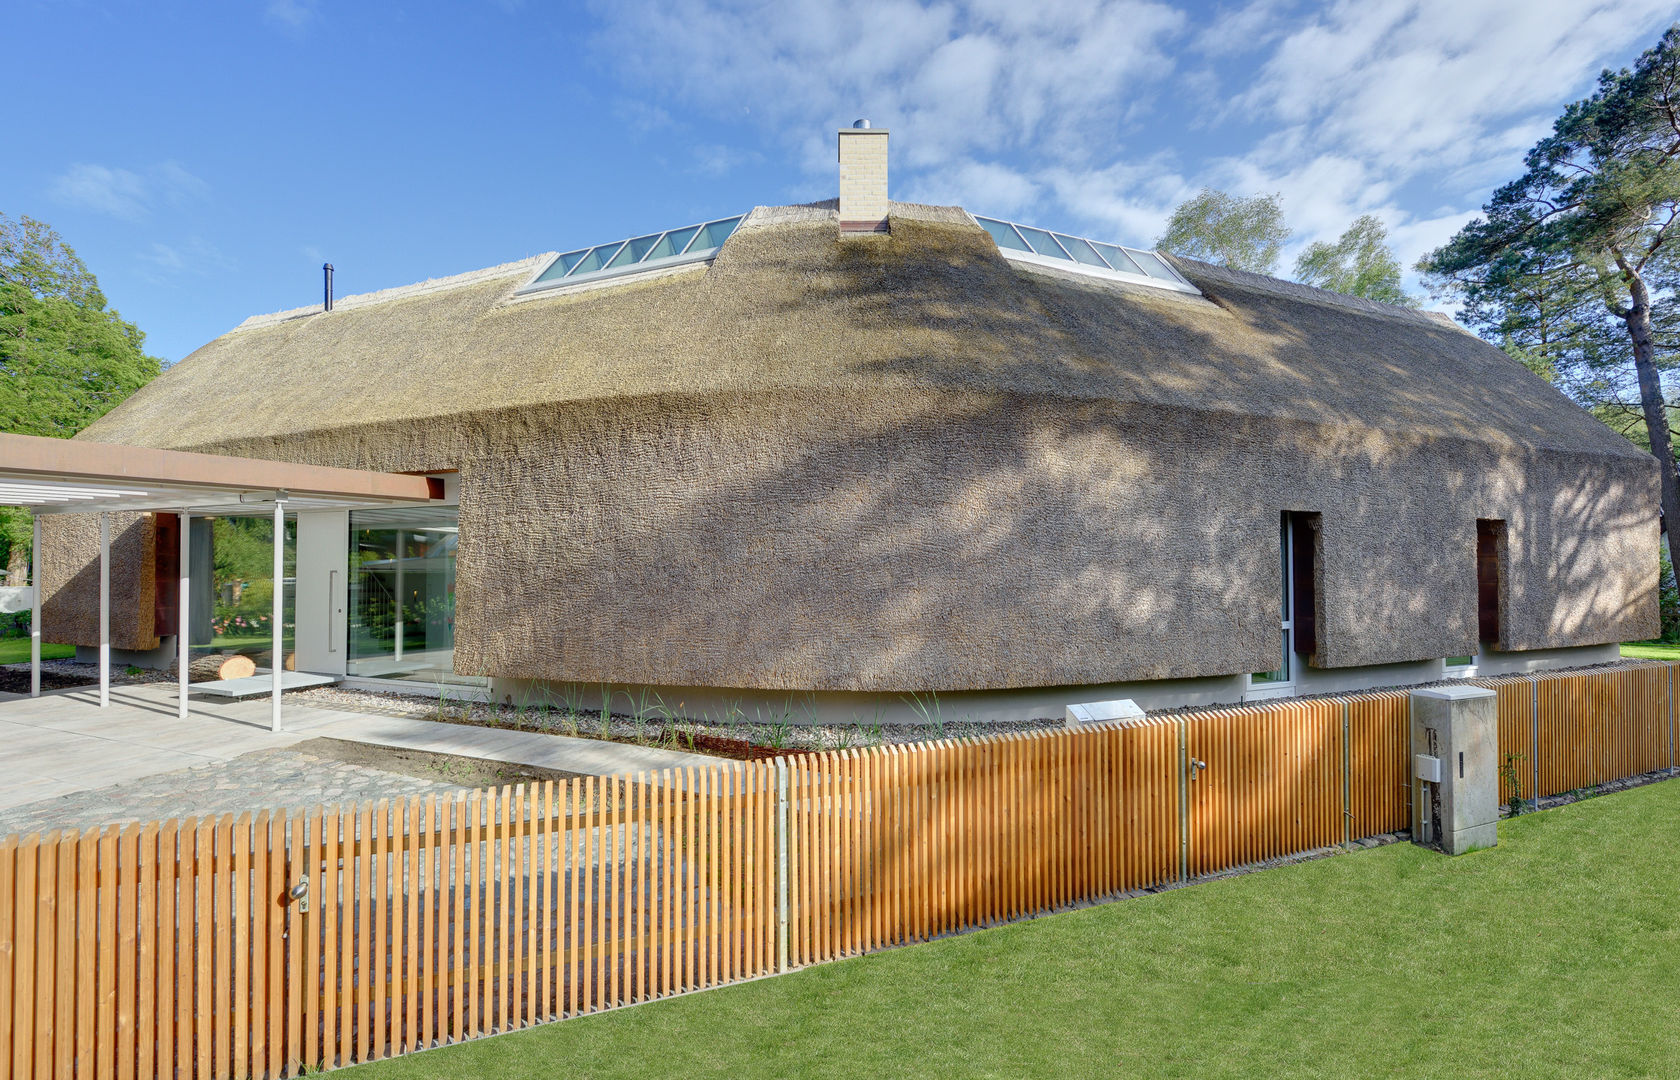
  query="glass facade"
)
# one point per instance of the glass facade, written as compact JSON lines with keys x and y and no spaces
{"x":402,"y":594}
{"x":232,"y":595}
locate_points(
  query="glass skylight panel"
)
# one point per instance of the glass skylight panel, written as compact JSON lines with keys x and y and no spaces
{"x":673,"y":243}
{"x":1004,"y":233}
{"x":1081,"y":250}
{"x":1017,"y":241}
{"x":633,"y":251}
{"x":562,"y":266}
{"x":1042,"y":242}
{"x":1117,"y":258}
{"x":1153,"y":265}
{"x":713,"y":234}
{"x":597,"y":259}
{"x":691,"y":243}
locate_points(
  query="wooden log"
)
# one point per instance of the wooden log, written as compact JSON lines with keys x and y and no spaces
{"x":226,"y":666}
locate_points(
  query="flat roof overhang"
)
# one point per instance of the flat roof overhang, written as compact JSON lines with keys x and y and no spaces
{"x":59,"y":476}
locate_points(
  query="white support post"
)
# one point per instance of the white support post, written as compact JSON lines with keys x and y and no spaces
{"x":277,"y":662}
{"x":183,"y":617}
{"x":104,"y":610}
{"x":35,"y":608}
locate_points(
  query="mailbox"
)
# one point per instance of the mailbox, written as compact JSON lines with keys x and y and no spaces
{"x":1455,"y":768}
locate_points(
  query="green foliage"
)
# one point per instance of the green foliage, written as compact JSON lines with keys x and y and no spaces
{"x":66,"y":359}
{"x":1513,"y":779}
{"x":1241,"y":232}
{"x":243,"y":575}
{"x":1358,"y":264}
{"x":15,"y":650}
{"x":1558,"y":267}
{"x":1652,"y":650}
{"x":1668,"y":602}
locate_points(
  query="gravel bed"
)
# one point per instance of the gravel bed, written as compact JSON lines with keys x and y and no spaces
{"x":657,"y":726}
{"x":660,"y":726}
{"x":62,"y":674}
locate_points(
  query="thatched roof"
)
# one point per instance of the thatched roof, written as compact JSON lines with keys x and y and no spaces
{"x":788,"y":305}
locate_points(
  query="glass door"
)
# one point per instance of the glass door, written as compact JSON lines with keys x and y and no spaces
{"x":232,"y":594}
{"x":402,"y":594}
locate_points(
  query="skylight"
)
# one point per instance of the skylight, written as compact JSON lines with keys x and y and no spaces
{"x":1079,"y":255}
{"x":691,"y":243}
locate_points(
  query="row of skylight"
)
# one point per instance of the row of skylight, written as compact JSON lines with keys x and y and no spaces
{"x":1077,"y":253}
{"x":692,"y":243}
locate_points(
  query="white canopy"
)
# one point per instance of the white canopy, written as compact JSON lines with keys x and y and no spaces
{"x":64,"y":476}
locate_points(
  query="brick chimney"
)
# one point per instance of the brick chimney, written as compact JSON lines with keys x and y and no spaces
{"x":863,"y":179}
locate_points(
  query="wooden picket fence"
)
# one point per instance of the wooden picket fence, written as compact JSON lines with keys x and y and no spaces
{"x":1569,"y":730}
{"x":271,"y":944}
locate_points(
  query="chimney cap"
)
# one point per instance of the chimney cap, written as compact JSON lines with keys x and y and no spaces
{"x":861,"y":125}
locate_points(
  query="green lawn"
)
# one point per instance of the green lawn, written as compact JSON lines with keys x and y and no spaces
{"x":15,"y":650}
{"x":1652,"y":650}
{"x":1555,"y":954}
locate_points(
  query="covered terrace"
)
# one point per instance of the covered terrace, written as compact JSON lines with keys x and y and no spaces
{"x":62,"y":476}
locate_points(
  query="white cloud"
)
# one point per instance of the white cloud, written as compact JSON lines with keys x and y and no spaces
{"x":1245,"y":29}
{"x":718,"y":159}
{"x":1426,"y":84}
{"x":1107,"y":113}
{"x":195,"y":256}
{"x":292,"y":15}
{"x":124,"y":193}
{"x":949,"y":80}
{"x":988,"y":186}
{"x":117,"y":192}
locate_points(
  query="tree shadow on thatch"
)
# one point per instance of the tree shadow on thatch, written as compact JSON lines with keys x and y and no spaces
{"x":1067,"y":484}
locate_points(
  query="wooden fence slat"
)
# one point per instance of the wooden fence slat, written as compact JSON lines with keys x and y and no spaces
{"x":426,"y":1001}
{"x":65,"y":974}
{"x":668,"y":850}
{"x":23,"y":957}
{"x":146,"y":919}
{"x":239,"y":938}
{"x":339,"y":937}
{"x":376,"y":961}
{"x":506,"y":904}
{"x":168,"y":945}
{"x":171,"y":948}
{"x":45,"y":901}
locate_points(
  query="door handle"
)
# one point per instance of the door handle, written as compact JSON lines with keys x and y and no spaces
{"x":332,"y":598}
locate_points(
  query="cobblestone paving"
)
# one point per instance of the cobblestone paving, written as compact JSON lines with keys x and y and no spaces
{"x":266,"y":779}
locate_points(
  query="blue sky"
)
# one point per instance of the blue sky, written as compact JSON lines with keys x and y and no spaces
{"x":205,"y":159}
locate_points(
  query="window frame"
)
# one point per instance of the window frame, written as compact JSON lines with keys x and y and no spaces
{"x":1290,"y":667}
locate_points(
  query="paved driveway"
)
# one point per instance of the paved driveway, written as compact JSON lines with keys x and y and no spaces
{"x":63,"y":743}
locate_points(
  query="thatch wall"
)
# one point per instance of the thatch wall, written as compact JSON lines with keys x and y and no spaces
{"x":70,"y":580}
{"x":903,"y":463}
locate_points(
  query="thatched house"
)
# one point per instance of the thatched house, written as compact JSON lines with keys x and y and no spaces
{"x":856,"y":465}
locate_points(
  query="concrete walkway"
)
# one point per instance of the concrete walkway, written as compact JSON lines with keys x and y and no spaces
{"x":63,"y":742}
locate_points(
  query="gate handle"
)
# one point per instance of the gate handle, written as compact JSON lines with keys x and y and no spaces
{"x":1196,"y":767}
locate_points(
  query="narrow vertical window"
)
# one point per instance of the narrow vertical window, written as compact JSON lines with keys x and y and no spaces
{"x":1298,"y":601}
{"x":1284,"y":674}
{"x":1490,"y":543}
{"x":1304,"y":578}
